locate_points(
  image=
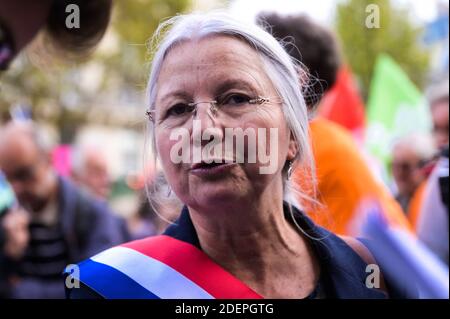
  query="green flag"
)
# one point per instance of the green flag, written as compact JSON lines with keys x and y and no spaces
{"x":395,"y":108}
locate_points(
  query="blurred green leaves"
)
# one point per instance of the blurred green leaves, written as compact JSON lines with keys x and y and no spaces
{"x":396,"y":36}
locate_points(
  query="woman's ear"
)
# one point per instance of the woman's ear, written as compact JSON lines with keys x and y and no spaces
{"x":293,"y":148}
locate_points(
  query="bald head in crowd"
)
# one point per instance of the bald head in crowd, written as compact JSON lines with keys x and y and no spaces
{"x":90,"y":170}
{"x":25,"y":161}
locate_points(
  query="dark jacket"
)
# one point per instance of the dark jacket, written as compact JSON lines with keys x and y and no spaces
{"x":343,"y":272}
{"x":88,"y":227}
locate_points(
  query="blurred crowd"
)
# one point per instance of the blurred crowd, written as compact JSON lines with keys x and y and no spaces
{"x":53,"y":220}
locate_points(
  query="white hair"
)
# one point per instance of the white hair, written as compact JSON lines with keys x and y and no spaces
{"x":279,"y":66}
{"x":421,"y":144}
{"x":79,"y":155}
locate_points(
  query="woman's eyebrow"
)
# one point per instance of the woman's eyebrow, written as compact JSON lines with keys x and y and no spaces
{"x":174,"y":95}
{"x":219,"y":89}
{"x":234,"y":84}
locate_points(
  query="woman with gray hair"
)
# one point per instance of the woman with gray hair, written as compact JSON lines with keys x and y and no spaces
{"x":217,"y":83}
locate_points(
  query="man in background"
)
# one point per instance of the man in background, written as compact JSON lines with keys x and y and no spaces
{"x":52,"y":225}
{"x":433,"y":219}
{"x":410,"y":156}
{"x":90,"y":170}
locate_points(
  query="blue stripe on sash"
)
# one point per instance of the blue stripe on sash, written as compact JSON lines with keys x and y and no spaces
{"x":111,"y":283}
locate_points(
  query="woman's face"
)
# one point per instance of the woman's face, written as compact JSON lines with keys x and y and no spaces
{"x":229,"y":71}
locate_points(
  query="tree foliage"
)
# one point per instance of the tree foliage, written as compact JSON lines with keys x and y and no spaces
{"x":397,"y":36}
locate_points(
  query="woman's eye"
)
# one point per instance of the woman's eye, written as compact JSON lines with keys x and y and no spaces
{"x":236,"y":100}
{"x":179,"y":109}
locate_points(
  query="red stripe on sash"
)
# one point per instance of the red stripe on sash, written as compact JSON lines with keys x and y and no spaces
{"x":195,"y":265}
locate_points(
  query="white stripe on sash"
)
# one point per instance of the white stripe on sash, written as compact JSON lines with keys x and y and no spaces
{"x":157,"y":277}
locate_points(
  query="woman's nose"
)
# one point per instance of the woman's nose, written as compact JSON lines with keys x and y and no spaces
{"x":212,"y":136}
{"x":206,"y":125}
{"x":205,"y":115}
{"x":205,"y":112}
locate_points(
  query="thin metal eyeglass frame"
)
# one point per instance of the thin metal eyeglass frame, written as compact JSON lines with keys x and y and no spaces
{"x":258,"y":100}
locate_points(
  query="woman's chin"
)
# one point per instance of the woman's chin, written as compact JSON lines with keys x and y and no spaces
{"x":212,"y":195}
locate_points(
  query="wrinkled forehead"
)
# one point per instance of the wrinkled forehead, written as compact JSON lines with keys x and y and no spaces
{"x":211,"y":50}
{"x":205,"y":62}
{"x":405,"y":152}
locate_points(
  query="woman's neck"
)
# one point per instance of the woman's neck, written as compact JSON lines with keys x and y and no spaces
{"x":257,"y":244}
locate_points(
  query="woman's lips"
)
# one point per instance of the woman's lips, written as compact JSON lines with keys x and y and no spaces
{"x":205,"y":169}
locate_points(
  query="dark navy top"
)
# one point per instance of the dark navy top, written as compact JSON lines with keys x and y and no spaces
{"x":342,"y":270}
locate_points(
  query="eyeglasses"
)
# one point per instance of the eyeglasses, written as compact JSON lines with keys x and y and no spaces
{"x":232,"y":105}
{"x":407,"y":167}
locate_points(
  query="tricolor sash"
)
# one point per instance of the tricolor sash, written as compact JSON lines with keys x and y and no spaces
{"x":159,"y":267}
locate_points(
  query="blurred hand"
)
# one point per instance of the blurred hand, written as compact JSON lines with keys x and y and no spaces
{"x":15,"y":227}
